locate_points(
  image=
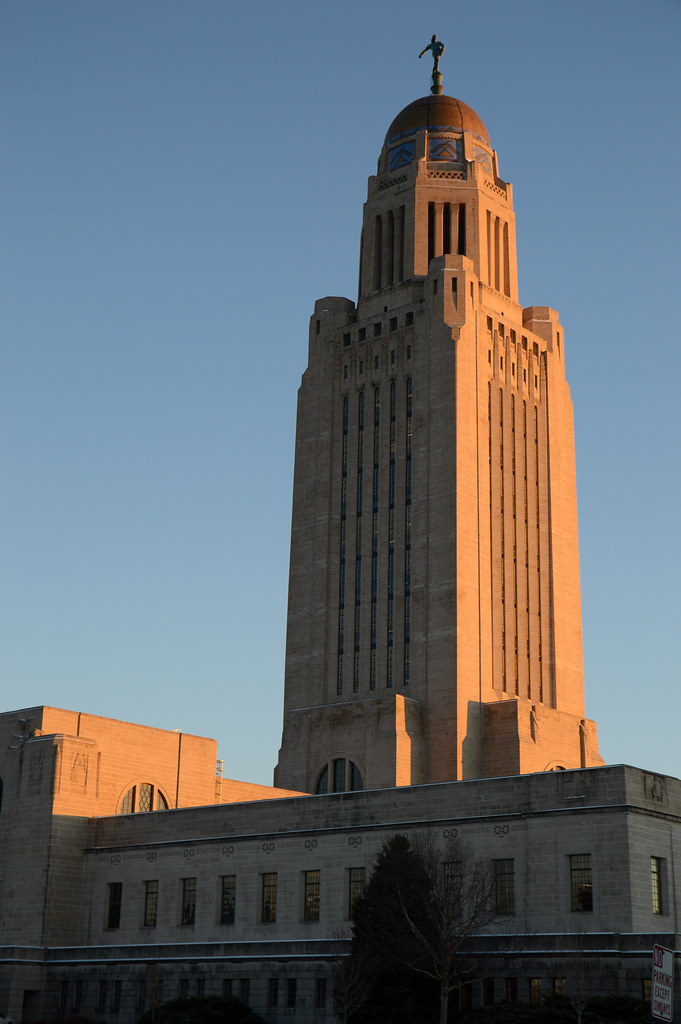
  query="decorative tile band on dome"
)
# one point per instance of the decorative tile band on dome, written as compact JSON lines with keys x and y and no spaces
{"x":423,"y":128}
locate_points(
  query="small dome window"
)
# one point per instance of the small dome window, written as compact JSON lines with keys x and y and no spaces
{"x":143,"y":797}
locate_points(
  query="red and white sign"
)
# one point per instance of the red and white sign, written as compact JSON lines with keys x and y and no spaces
{"x":663,"y":983}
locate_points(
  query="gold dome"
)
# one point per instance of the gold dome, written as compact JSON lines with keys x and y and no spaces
{"x":437,"y":112}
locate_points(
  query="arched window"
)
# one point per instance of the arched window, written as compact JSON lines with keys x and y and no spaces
{"x":343,"y":775}
{"x":143,"y":797}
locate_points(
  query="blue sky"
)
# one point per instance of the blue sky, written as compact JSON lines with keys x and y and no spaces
{"x":181,"y":181}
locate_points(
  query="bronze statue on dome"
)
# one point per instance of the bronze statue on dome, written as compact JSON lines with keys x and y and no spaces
{"x":437,"y":49}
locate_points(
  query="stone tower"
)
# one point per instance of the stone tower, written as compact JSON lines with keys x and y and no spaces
{"x":434,"y":622}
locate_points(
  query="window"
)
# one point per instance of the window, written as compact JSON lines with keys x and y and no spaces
{"x":356,"y":884}
{"x":505,"y":886}
{"x":656,"y":883}
{"x":312,"y":887}
{"x":346,"y":340}
{"x":408,"y":351}
{"x":362,"y":334}
{"x":101,"y":996}
{"x":200,"y":988}
{"x":581,"y":892}
{"x":392,"y":357}
{"x":344,"y":775}
{"x":559,"y":986}
{"x":511,"y":990}
{"x":466,"y":990}
{"x":115,"y":900}
{"x":116,"y":996}
{"x":361,"y":366}
{"x":646,"y":989}
{"x":535,"y":990}
{"x":141,"y":994}
{"x":291,"y":992}
{"x":150,"y":903}
{"x":453,"y":879}
{"x":78,"y":996}
{"x":188,"y":901}
{"x":269,"y":897}
{"x":228,"y":899}
{"x":320,"y":994}
{"x":377,"y":362}
{"x":409,"y":320}
{"x":63,"y":993}
{"x":143,"y":797}
{"x":245,"y":990}
{"x":378,"y":329}
{"x":488,"y":991}
{"x":184,"y":988}
{"x":272,"y":993}
{"x":226,"y":988}
{"x":393,"y":323}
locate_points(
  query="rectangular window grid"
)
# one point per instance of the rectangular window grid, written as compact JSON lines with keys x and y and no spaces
{"x":581,"y":890}
{"x":356,"y":883}
{"x":228,"y":899}
{"x":312,"y":889}
{"x":150,"y":903}
{"x":504,"y":875}
{"x":320,"y":994}
{"x":269,"y":897}
{"x":656,"y":883}
{"x":115,"y":900}
{"x":453,"y":882}
{"x":188,"y":901}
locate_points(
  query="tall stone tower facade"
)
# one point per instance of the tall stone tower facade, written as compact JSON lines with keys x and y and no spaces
{"x":434,"y":622}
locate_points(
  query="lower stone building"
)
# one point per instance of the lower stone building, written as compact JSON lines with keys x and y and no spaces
{"x":108,"y":906}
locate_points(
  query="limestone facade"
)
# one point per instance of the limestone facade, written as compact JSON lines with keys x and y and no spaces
{"x":434,"y":575}
{"x":106,"y":915}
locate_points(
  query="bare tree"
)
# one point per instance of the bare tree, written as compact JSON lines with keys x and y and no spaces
{"x":460,"y":899}
{"x":422,"y":904}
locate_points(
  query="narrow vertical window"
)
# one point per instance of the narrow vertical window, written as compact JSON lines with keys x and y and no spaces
{"x":656,"y":883}
{"x":291,"y":993}
{"x":581,"y":888}
{"x":339,"y":775}
{"x":356,"y":885}
{"x":535,"y":990}
{"x":453,"y":886}
{"x":269,"y":898}
{"x":101,"y":996}
{"x":358,"y":542}
{"x":312,"y":891}
{"x":228,"y":899}
{"x":116,"y":995}
{"x":272,"y":993}
{"x":504,"y":876}
{"x":407,"y":540}
{"x":343,"y":527}
{"x":390,"y":679}
{"x":245,"y":990}
{"x":115,"y":900}
{"x":374,"y":537}
{"x":188,"y":901}
{"x":150,"y":903}
{"x":320,"y":994}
